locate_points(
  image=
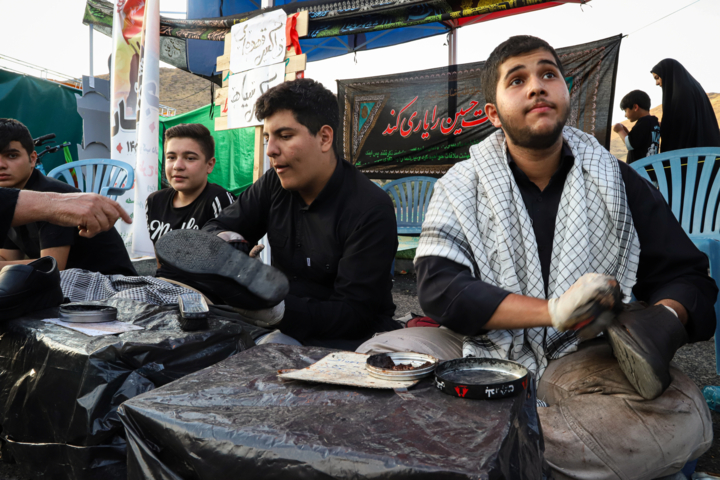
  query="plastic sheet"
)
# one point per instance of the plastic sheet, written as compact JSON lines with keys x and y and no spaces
{"x":238,"y":420}
{"x":60,"y":389}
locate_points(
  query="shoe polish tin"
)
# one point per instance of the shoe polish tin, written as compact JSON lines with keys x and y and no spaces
{"x":481,"y":378}
{"x":87,"y":313}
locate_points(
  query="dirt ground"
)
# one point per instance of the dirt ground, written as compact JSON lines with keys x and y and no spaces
{"x":697,"y":360}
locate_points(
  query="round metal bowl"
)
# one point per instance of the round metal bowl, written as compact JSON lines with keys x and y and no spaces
{"x":481,"y":378}
{"x":87,"y":313}
{"x":415,"y":359}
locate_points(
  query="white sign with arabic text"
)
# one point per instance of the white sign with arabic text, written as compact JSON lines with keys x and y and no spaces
{"x":245,"y":88}
{"x":258,"y":42}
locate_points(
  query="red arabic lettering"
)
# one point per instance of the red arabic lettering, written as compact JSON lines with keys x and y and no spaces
{"x":404,"y":133}
{"x":448,"y":125}
{"x":390,"y":130}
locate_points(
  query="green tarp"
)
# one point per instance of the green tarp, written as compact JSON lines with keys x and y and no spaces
{"x":233,"y":149}
{"x":44,"y":107}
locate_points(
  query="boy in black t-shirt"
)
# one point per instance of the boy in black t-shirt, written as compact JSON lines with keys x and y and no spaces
{"x":104,"y":253}
{"x":192,"y":200}
{"x":644,"y":139}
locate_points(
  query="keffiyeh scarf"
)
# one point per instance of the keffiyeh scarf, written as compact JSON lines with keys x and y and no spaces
{"x":477,"y":218}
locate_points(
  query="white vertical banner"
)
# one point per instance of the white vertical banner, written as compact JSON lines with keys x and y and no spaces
{"x":127,"y":26}
{"x":148,"y":114}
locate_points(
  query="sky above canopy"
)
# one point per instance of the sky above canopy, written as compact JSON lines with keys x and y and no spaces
{"x":50,"y":34}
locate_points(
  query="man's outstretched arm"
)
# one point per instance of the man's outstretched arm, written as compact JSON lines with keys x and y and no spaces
{"x":90,"y":212}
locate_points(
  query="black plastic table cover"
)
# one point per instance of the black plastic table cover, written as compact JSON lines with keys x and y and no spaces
{"x":237,"y":419}
{"x":60,"y":389}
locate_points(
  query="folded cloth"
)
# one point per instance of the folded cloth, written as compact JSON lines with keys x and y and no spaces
{"x":82,"y":285}
{"x":422,"y":322}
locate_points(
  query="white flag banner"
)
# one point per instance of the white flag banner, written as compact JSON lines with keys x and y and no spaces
{"x":127,"y":25}
{"x":245,"y":88}
{"x":258,"y":42}
{"x":148,"y":113}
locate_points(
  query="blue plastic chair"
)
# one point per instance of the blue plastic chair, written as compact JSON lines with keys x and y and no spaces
{"x":695,"y":208}
{"x":109,"y":178}
{"x":412,"y":197}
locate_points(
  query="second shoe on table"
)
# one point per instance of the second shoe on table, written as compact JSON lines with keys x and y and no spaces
{"x":31,"y":287}
{"x":209,"y":262}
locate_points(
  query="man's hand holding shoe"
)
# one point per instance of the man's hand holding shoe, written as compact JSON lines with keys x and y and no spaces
{"x":583,"y":301}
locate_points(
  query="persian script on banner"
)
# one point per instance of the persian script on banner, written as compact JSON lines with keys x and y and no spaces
{"x":258,"y":42}
{"x":127,"y":32}
{"x":422,"y":123}
{"x":245,"y":88}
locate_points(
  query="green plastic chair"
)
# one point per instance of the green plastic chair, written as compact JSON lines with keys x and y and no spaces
{"x":694,"y":202}
{"x":109,"y":178}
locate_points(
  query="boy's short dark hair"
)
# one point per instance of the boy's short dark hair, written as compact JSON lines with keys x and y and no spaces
{"x":197,"y":132}
{"x":636,"y":97}
{"x":311,"y":103}
{"x":512,"y":47}
{"x":13,"y":131}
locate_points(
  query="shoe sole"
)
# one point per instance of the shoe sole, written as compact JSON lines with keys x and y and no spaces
{"x":201,"y":253}
{"x":634,"y":363}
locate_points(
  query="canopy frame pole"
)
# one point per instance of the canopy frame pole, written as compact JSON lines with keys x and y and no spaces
{"x":92,"y":77}
{"x":452,"y":47}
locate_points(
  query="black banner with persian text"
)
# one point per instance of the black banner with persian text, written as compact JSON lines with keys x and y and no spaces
{"x":424,"y":122}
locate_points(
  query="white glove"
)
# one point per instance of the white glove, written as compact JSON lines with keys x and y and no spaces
{"x":231,"y":237}
{"x":573,"y":306}
{"x":265,"y":318}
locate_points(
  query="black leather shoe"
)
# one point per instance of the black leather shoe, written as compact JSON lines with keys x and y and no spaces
{"x":644,"y":341}
{"x":31,"y":287}
{"x":207,"y":262}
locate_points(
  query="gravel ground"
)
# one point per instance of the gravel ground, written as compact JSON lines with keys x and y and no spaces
{"x":696,"y":360}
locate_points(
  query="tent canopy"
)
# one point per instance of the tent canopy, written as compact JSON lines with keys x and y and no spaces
{"x":335,"y":28}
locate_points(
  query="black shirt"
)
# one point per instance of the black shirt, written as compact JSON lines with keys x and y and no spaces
{"x":162,"y":216}
{"x":670,"y":265}
{"x":104,"y":253}
{"x":8,"y":200}
{"x":337,"y":252}
{"x":644,"y":138}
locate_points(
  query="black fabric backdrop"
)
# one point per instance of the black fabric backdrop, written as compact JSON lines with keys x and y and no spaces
{"x":424,"y":122}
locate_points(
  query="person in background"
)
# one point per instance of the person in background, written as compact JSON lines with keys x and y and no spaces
{"x":644,"y":139}
{"x":191,"y":199}
{"x":104,"y":253}
{"x":688,"y":119}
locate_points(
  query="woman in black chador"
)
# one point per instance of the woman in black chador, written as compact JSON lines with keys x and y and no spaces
{"x":688,"y":119}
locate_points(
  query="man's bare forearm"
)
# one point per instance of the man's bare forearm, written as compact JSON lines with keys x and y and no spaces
{"x":31,"y":207}
{"x":519,"y":311}
{"x":90,"y":212}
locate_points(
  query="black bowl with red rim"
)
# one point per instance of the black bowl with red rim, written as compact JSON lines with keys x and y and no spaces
{"x":481,"y":378}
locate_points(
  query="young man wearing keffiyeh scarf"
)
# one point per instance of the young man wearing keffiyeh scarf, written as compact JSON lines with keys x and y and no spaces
{"x":524,"y":238}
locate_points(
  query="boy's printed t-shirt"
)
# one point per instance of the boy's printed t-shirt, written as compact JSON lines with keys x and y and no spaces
{"x":644,"y":138}
{"x":162,"y":216}
{"x":104,"y":253}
